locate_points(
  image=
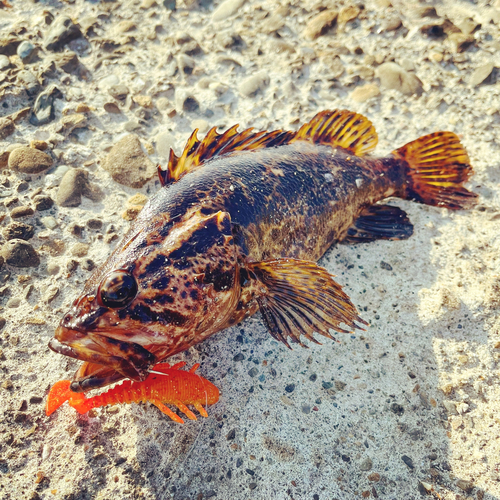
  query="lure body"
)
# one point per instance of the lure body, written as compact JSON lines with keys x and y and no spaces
{"x":237,"y":227}
{"x":165,"y":385}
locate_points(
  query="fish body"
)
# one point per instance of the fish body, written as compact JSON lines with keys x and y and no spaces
{"x":238,"y":226}
{"x":164,"y":385}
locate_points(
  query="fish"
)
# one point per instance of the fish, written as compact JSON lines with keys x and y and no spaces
{"x":165,"y":384}
{"x":238,"y":226}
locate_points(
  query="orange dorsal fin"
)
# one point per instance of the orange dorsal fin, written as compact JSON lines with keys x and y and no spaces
{"x":342,"y":129}
{"x":59,"y":394}
{"x":345,"y":129}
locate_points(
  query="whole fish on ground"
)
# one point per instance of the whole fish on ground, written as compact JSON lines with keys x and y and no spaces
{"x":237,"y":227}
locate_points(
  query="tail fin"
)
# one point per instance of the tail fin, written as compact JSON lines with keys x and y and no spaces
{"x":59,"y":394}
{"x":437,"y":167}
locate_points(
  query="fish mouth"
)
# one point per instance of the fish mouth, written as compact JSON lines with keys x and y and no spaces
{"x":128,"y":359}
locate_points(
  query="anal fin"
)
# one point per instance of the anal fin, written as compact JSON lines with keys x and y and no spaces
{"x":298,"y":298}
{"x":380,"y":222}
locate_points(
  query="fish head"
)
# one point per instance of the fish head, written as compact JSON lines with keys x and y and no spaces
{"x":160,"y":292}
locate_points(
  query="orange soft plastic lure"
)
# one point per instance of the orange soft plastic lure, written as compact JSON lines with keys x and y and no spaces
{"x":165,"y":384}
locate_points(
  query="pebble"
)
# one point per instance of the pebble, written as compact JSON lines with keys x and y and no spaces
{"x":366,"y":464}
{"x":170,"y":4}
{"x":348,"y":13}
{"x":408,"y":461}
{"x":61,"y":31}
{"x":131,"y":212}
{"x":320,"y":24}
{"x":50,"y":294}
{"x":80,"y":250}
{"x":190,"y":104}
{"x":464,"y":485}
{"x":43,"y":202}
{"x":290,"y":388}
{"x":18,"y":230}
{"x":88,"y":264}
{"x":461,"y":42}
{"x":94,"y":224}
{"x":26,"y":51}
{"x":481,"y":74}
{"x":143,"y":100}
{"x":365,"y":92}
{"x":138,"y":199}
{"x":8,"y":45}
{"x":72,"y":122}
{"x":4,"y":62}
{"x":29,"y":160}
{"x":23,"y":211}
{"x":397,"y":409}
{"x":7,"y":128}
{"x":374,"y":477}
{"x":3,"y":321}
{"x":128,"y":164}
{"x":29,"y":81}
{"x":19,"y":253}
{"x":393,"y":76}
{"x":37,"y":144}
{"x":14,"y":301}
{"x":53,"y":268}
{"x":112,"y":107}
{"x":74,"y":184}
{"x":254,"y":84}
{"x":227,"y":9}
{"x":68,"y":62}
{"x":43,"y":110}
{"x":118,"y":91}
{"x":49,"y":222}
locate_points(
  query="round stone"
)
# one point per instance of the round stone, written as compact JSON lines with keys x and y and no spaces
{"x":19,"y":253}
{"x":29,"y":160}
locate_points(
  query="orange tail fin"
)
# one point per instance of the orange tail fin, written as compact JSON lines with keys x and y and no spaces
{"x":437,"y":167}
{"x":59,"y":394}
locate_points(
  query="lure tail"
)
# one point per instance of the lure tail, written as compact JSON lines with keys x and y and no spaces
{"x":60,"y":393}
{"x":437,"y":166}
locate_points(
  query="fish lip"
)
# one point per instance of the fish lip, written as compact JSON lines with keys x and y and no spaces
{"x":127,"y":358}
{"x":60,"y":348}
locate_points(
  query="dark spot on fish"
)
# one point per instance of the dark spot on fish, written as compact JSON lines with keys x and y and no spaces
{"x":142,"y":313}
{"x":183,"y":294}
{"x":194,"y":294}
{"x":174,"y":289}
{"x":172,"y":317}
{"x":161,"y":283}
{"x":221,"y":280}
{"x":164,"y":299}
{"x":198,"y":243}
{"x":159,"y":262}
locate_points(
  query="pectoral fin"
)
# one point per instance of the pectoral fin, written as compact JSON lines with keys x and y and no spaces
{"x":297,"y":297}
{"x":380,"y":222}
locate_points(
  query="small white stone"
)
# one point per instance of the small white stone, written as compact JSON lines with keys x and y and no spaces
{"x":227,"y":9}
{"x":49,"y":222}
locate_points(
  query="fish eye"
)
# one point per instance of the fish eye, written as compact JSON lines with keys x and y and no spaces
{"x":118,"y":289}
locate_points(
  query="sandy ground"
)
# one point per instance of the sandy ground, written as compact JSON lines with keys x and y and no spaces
{"x":406,"y":409}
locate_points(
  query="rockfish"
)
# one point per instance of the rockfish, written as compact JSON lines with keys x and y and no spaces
{"x":237,"y":227}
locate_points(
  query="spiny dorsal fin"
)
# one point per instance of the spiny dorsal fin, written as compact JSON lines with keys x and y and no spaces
{"x":340,"y":128}
{"x":350,"y":131}
{"x":299,"y":297}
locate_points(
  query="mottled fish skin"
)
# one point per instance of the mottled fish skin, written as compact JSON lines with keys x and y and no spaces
{"x":290,"y":201}
{"x":187,"y":260}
